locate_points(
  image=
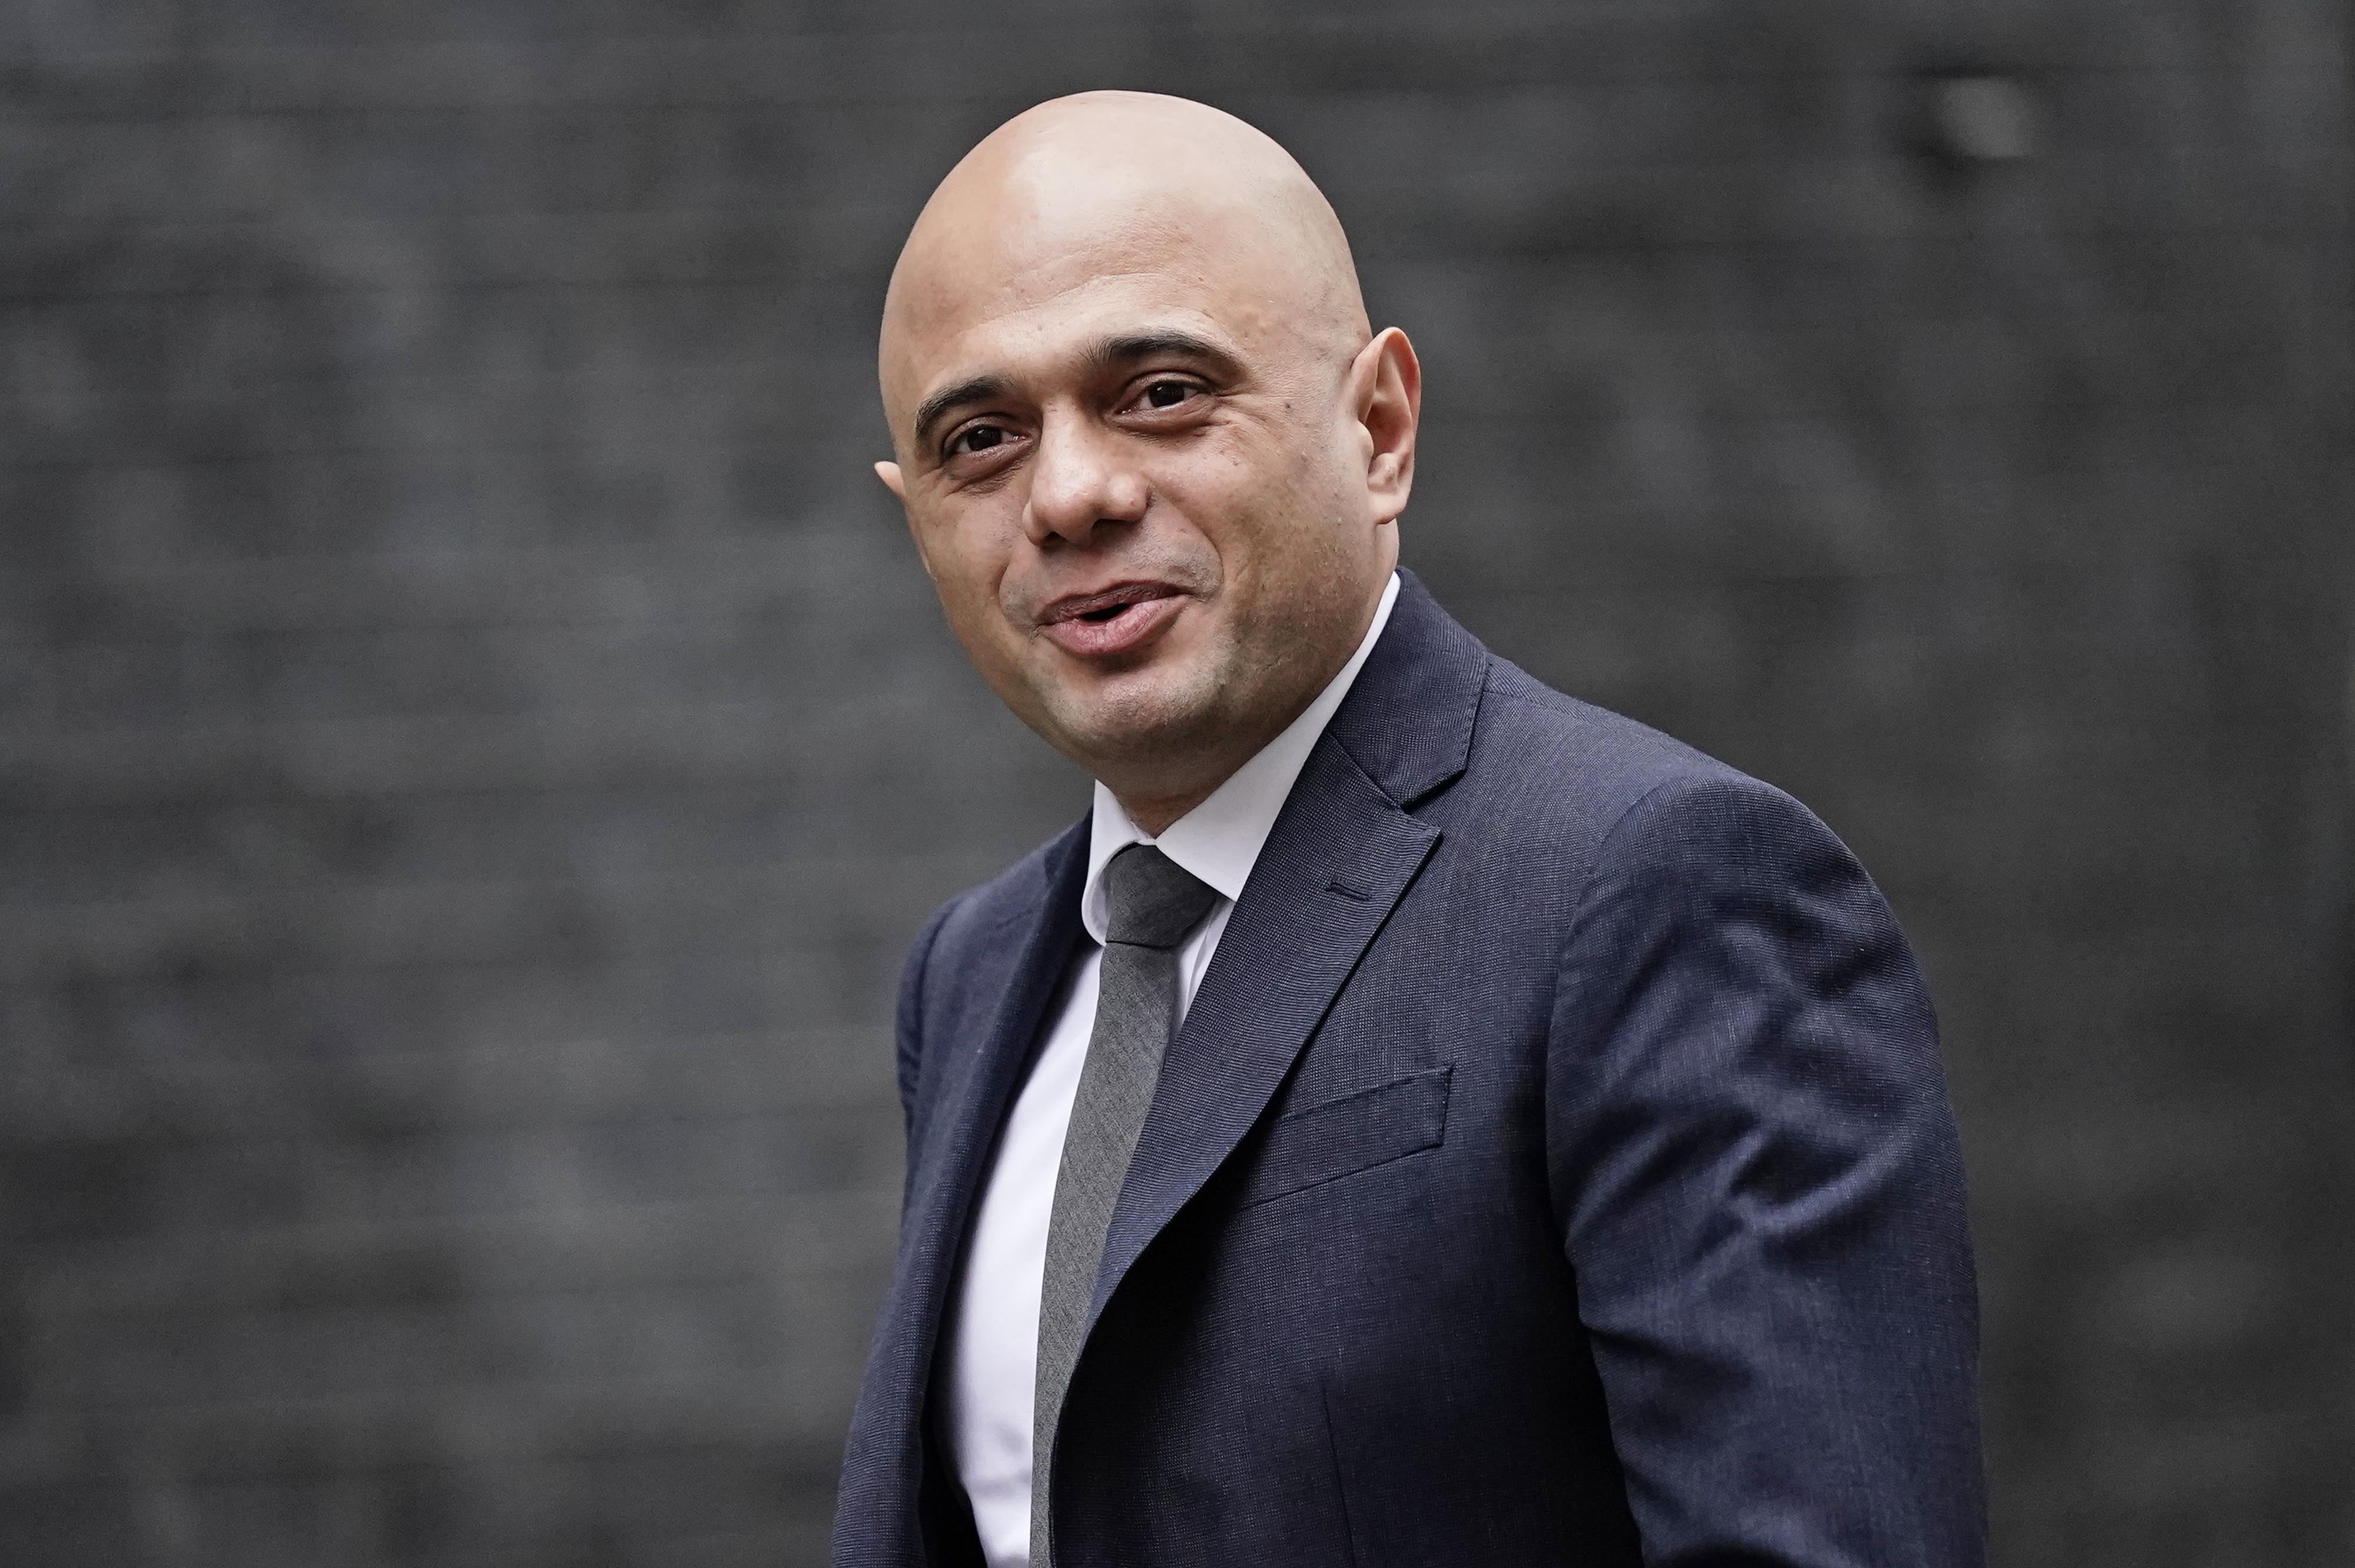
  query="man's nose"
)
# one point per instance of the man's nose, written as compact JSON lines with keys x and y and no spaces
{"x":1081,"y":477}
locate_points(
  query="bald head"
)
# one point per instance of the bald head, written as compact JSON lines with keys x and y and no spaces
{"x":1081,"y":187}
{"x":1148,"y":449}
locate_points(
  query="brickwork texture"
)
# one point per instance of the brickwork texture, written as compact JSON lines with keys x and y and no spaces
{"x":474,"y":740}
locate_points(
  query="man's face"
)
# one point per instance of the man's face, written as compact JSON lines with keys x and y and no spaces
{"x":1139,"y":483}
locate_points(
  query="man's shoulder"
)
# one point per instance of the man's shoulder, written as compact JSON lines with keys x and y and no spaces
{"x":996,"y":914}
{"x":1567,"y":788}
{"x":1541,"y":758}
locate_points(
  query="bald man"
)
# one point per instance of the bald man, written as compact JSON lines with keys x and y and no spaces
{"x":1415,"y":1118}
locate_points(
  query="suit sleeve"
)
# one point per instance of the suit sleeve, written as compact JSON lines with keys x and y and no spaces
{"x":1756,"y":1169}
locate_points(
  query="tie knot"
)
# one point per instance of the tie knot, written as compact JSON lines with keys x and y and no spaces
{"x":1151,"y":901}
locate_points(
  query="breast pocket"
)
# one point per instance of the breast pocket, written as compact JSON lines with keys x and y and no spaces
{"x":1357,"y":1132}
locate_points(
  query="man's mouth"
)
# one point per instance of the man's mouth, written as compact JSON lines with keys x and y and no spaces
{"x":1116,"y":620}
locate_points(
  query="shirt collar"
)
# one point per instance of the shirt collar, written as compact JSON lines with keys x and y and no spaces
{"x":1219,"y":839}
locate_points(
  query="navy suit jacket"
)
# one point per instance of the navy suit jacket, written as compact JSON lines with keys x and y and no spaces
{"x":1555,"y":1167}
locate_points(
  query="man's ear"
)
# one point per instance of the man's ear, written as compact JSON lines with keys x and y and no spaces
{"x":897,"y":483}
{"x":1386,"y":382}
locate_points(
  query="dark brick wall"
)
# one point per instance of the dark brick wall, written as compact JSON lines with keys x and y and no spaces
{"x":473,"y":741}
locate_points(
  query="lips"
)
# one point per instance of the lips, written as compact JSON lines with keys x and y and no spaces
{"x":1116,"y":620}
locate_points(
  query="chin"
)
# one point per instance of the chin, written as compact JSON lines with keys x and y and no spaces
{"x":1141,"y":717}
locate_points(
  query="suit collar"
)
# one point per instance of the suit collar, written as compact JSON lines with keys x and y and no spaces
{"x":1430,"y":674}
{"x":1407,"y":722}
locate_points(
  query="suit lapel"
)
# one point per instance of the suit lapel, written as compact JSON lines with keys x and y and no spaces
{"x":981,"y":1080}
{"x":1342,"y":854}
{"x":1337,"y":863}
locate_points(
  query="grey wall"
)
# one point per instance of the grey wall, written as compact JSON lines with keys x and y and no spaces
{"x":473,"y":740}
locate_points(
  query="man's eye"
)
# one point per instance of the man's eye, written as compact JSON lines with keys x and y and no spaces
{"x":979,"y":438}
{"x":1167,"y":393}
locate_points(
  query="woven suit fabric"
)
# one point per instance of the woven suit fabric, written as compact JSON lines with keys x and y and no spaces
{"x":1151,"y":902}
{"x":1554,"y":1166}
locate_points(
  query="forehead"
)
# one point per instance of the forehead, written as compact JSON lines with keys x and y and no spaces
{"x":1033,"y":288}
{"x":1063,"y":334}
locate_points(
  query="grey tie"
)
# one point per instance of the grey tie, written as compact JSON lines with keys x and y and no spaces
{"x":1151,"y":902}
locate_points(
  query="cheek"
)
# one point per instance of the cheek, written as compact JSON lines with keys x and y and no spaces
{"x":1249,"y":497}
{"x":967,"y":551}
{"x":1270,"y":511}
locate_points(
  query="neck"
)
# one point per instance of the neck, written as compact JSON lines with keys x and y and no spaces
{"x":1157,"y":797}
{"x":1153,"y":817}
{"x":1153,"y":803}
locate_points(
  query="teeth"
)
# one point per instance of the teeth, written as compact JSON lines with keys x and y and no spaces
{"x":1103,"y":612}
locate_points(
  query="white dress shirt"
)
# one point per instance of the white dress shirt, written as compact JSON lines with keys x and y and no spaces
{"x":993,"y":1339}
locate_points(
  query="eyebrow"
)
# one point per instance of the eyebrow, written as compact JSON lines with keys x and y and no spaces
{"x":1117,"y":351}
{"x":1108,"y":355}
{"x":980,"y":389}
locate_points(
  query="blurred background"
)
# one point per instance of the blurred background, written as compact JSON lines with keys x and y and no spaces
{"x":474,"y":740}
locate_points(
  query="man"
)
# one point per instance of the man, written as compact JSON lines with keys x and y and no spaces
{"x":1416,"y":1117}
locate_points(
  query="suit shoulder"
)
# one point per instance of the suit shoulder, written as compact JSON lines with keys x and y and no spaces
{"x":959,"y":961}
{"x":979,"y":913}
{"x":1542,"y":756}
{"x":1572,"y":791}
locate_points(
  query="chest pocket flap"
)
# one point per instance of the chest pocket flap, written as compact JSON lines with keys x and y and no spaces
{"x":1357,"y":1132}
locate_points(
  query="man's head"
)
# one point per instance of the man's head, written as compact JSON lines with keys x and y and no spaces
{"x":1149,"y":450}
